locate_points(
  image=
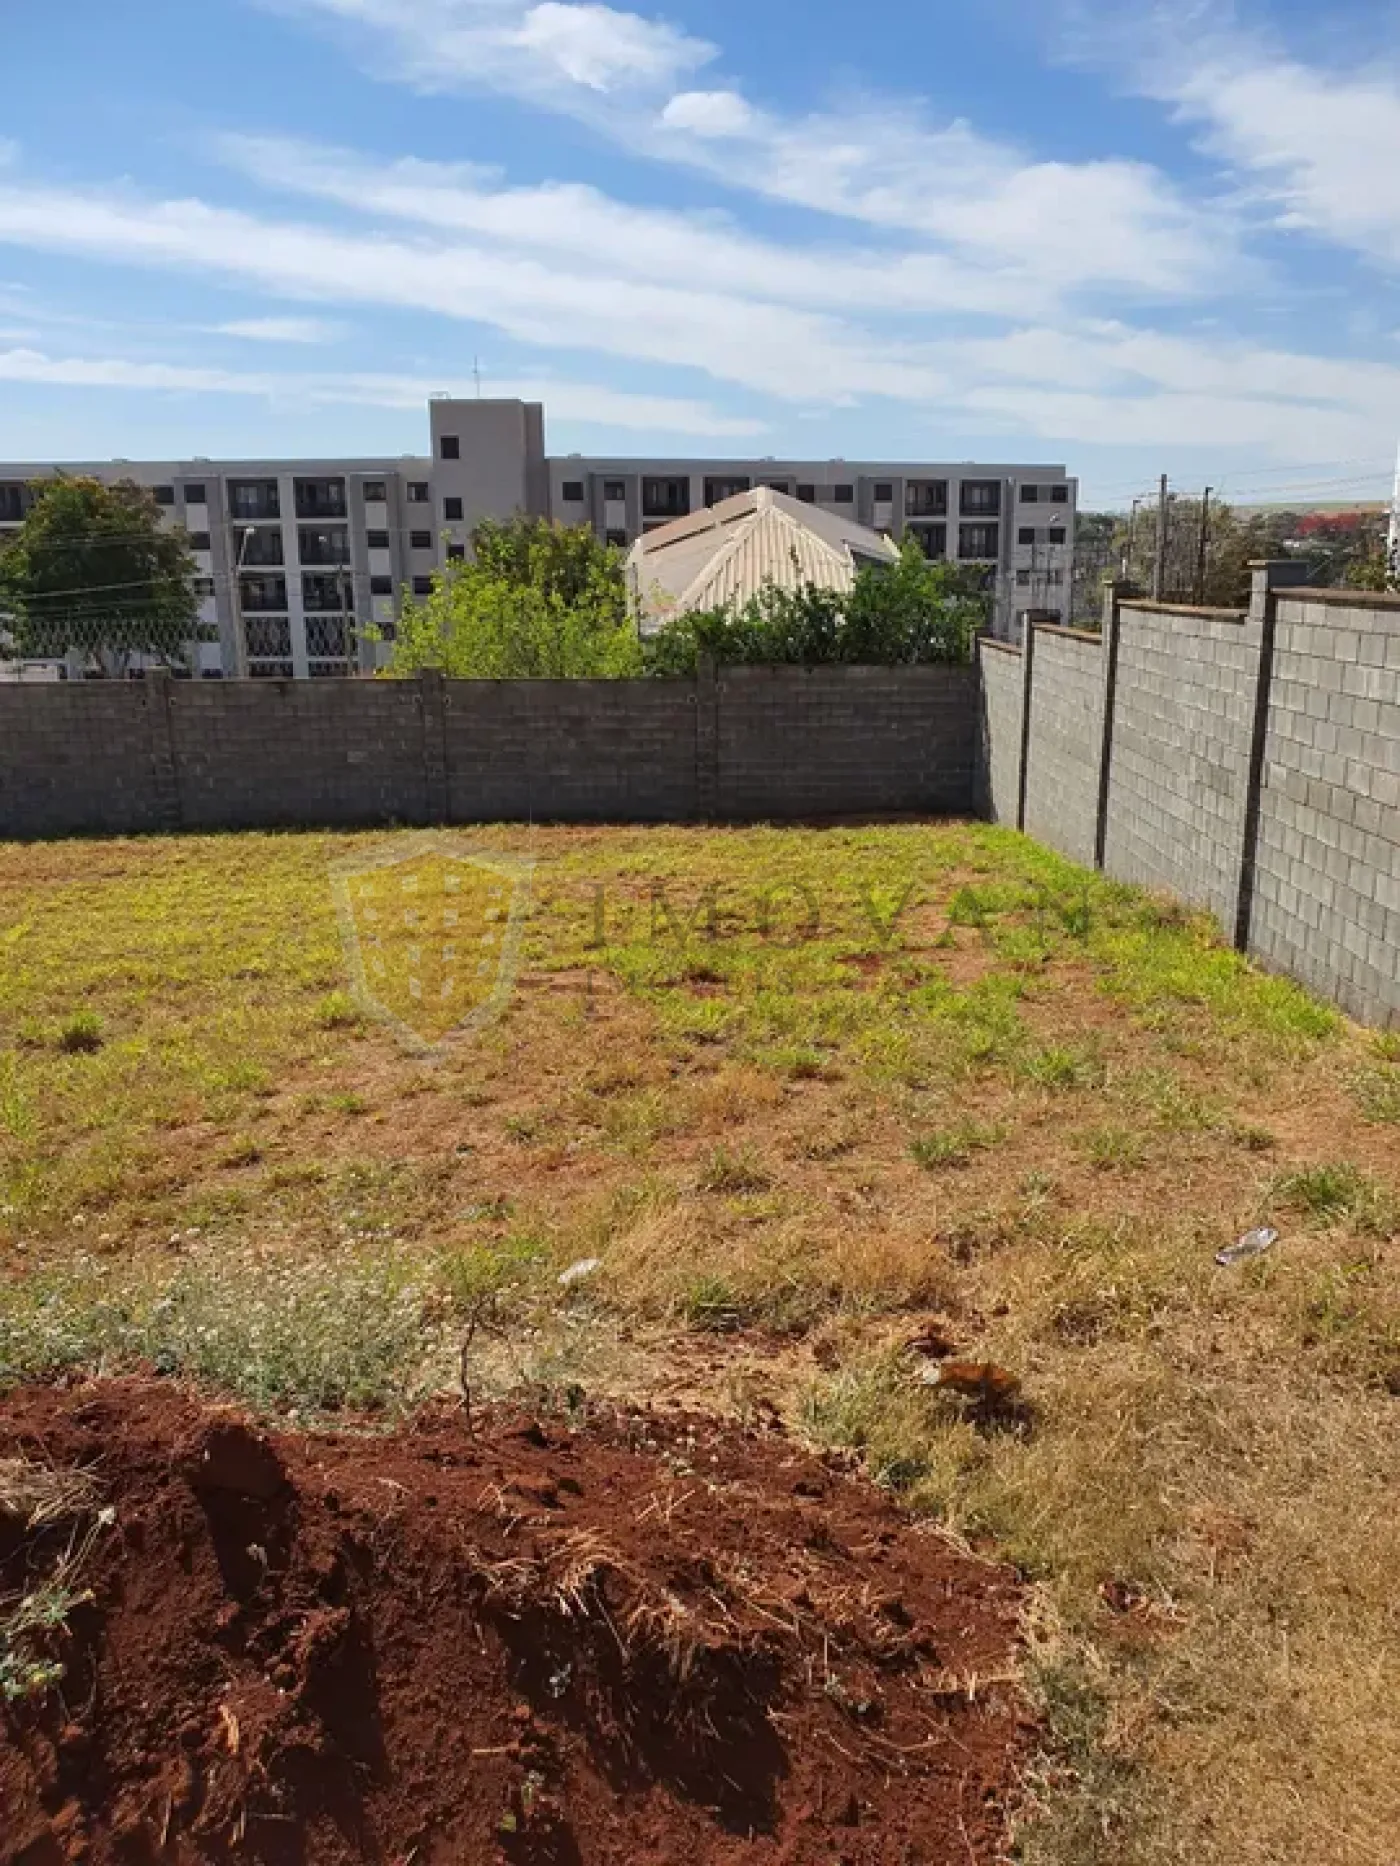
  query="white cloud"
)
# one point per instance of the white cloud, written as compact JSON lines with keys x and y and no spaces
{"x":570,"y":220}
{"x":1325,"y":149}
{"x":777,"y":350}
{"x":567,"y":401}
{"x":532,"y":51}
{"x":600,"y":48}
{"x":281,"y":329}
{"x":709,"y":113}
{"x":1115,"y":224}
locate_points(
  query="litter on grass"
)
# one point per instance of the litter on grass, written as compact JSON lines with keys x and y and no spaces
{"x":1252,"y":1244}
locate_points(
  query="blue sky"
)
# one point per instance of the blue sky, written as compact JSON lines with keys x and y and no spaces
{"x":1130,"y":239}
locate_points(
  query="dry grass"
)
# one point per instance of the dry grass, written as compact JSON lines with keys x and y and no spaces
{"x":795,"y":1120}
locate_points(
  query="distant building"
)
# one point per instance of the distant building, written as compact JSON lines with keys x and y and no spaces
{"x":726,"y":553}
{"x":296,"y":557}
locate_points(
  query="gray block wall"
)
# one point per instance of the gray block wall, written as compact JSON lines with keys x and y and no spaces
{"x":999,"y":729}
{"x":1066,"y":742}
{"x":1183,"y":731}
{"x":1251,"y":765}
{"x":750,"y":743}
{"x":1327,"y":873}
{"x":889,"y":739}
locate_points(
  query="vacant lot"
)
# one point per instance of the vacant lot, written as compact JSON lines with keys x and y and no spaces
{"x":807,"y":1097}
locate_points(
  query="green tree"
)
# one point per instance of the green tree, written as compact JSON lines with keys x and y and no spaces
{"x":535,"y":601}
{"x":92,"y":570}
{"x":908,"y":611}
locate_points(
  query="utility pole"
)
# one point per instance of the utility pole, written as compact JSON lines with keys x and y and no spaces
{"x":1127,"y":564}
{"x":1159,"y":558}
{"x":1393,"y":541}
{"x":1203,"y":546}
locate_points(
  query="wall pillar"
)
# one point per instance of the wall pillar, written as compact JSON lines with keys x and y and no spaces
{"x":706,"y":738}
{"x":432,"y":706}
{"x":1269,"y":577}
{"x":1114,"y":591}
{"x":159,"y":686}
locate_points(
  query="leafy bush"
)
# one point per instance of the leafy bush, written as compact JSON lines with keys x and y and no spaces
{"x":535,"y":601}
{"x":895,"y":614}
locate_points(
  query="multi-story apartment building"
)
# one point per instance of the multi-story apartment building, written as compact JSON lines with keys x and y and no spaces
{"x":297,"y":557}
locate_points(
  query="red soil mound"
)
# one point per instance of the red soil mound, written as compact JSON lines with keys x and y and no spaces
{"x":631,"y":1639}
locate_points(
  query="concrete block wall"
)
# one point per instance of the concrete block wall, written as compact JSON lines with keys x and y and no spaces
{"x":1326,"y":895}
{"x":750,"y":743}
{"x":81,"y":758}
{"x":999,"y":731}
{"x":571,"y":750}
{"x":1248,"y":762}
{"x":889,"y":739}
{"x":1182,"y":738}
{"x":1066,"y":742}
{"x":253,"y":754}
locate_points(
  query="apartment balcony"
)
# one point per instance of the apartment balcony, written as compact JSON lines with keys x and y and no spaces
{"x":327,"y":595}
{"x":665,"y":498}
{"x":926,"y":498}
{"x":254,"y":548}
{"x":262,"y":594}
{"x":980,"y":498}
{"x":329,"y":546}
{"x":320,"y":498}
{"x":250,"y":500}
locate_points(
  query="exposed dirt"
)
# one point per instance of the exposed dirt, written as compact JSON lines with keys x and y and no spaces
{"x":621,"y":1639}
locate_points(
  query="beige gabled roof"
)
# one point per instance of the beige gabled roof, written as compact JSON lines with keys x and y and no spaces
{"x":729,"y":551}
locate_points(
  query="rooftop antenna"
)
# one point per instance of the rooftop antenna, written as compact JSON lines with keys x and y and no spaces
{"x":476,"y":375}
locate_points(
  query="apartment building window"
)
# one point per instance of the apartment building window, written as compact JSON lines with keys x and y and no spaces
{"x":327,"y":638}
{"x":1026,"y":534}
{"x":884,"y":492}
{"x":618,"y":540}
{"x":328,"y":545}
{"x":263,"y":593}
{"x":377,"y":540}
{"x":381,"y":586}
{"x":925,"y":498}
{"x":1056,"y":534}
{"x":843,"y":495}
{"x":320,"y":498}
{"x":783,"y":486}
{"x":573,"y":491}
{"x":977,"y":540}
{"x":268,"y":637}
{"x":932,"y":540}
{"x":328,"y":594}
{"x":165,"y":495}
{"x":615,"y":489}
{"x":204,"y":588}
{"x":199,"y":540}
{"x":194,"y":493}
{"x":374,"y":492}
{"x":981,"y":497}
{"x":717,"y":489}
{"x":1030,"y":495}
{"x":1055,"y":577}
{"x":418,"y":493}
{"x":254,"y":498}
{"x":422,"y":586}
{"x":449,"y":447}
{"x":807,"y":494}
{"x":263,"y":547}
{"x":452,"y":508}
{"x":1059,"y":495}
{"x":12,"y":502}
{"x":420,"y":540}
{"x":456,"y":553}
{"x":665,"y":498}
{"x":1023,"y":579}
